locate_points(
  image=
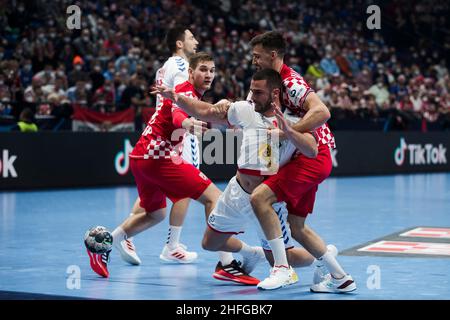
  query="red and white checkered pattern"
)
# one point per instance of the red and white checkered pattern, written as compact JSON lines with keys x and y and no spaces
{"x":159,"y":149}
{"x":157,"y":141}
{"x":294,"y":96}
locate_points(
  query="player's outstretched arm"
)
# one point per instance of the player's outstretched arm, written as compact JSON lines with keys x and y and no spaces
{"x":198,"y":109}
{"x":317,"y":114}
{"x":304,"y":142}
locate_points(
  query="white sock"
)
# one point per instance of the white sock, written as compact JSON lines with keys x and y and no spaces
{"x":330,"y":262}
{"x":279,"y":252}
{"x":118,"y":235}
{"x":173,"y":239}
{"x":246,"y":250}
{"x":225,"y":257}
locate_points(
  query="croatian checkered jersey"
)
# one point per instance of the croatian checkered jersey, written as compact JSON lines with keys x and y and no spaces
{"x":295,"y":92}
{"x":160,"y":139}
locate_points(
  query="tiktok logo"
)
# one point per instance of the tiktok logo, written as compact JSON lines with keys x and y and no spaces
{"x":122,"y":162}
{"x":427,"y":154}
{"x":7,"y":165}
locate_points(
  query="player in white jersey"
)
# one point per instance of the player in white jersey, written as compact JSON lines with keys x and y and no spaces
{"x":182,"y":43}
{"x":297,"y":182}
{"x":261,"y":155}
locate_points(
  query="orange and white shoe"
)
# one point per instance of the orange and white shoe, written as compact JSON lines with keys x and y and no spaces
{"x":178,"y":254}
{"x":99,"y":263}
{"x":234,"y":272}
{"x":127,"y":251}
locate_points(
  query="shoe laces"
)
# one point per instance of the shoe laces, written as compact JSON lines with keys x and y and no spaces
{"x":274,"y":270}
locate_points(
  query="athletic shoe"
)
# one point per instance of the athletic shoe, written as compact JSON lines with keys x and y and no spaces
{"x":127,"y":251}
{"x":234,"y":272}
{"x":99,"y":263}
{"x":321,"y":273}
{"x":279,"y":277}
{"x":249,"y":262}
{"x":179,"y":254}
{"x":332,"y":285}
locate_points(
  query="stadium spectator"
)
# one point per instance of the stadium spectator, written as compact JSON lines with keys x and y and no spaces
{"x":26,"y":123}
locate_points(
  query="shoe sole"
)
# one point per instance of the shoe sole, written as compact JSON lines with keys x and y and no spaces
{"x":223,"y":278}
{"x":129,"y":260}
{"x":282,"y":286}
{"x":352,"y":288}
{"x":175,"y":261}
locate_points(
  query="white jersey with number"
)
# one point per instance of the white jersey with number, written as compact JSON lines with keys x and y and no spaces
{"x":172,"y":73}
{"x":261,"y":153}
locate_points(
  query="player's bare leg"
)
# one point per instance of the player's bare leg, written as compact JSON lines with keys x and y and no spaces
{"x":339,"y":281}
{"x":127,"y":246}
{"x":173,"y":250}
{"x":134,"y":224}
{"x":281,"y":274}
{"x":297,"y":257}
{"x":232,"y":271}
{"x":136,"y":207}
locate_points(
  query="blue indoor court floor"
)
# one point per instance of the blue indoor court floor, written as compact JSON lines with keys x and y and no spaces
{"x":41,"y":244}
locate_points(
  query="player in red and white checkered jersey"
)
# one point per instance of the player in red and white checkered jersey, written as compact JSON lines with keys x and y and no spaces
{"x":157,"y":165}
{"x":296,"y":183}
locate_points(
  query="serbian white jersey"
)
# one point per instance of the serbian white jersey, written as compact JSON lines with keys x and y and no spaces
{"x":262,"y":152}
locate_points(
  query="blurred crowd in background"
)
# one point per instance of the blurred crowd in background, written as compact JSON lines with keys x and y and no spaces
{"x":395,"y":78}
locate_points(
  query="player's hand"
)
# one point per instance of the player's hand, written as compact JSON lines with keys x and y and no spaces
{"x":277,"y":132}
{"x":282,"y":123}
{"x":166,"y":92}
{"x":221,"y":108}
{"x":194,"y":126}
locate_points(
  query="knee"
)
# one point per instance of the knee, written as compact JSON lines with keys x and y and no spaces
{"x":299,"y":232}
{"x":207,"y":244}
{"x":256,"y":199}
{"x":157,"y":216}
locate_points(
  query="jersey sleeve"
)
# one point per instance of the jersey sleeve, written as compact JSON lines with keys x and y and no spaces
{"x":297,"y":90}
{"x":241,"y":113}
{"x":178,"y":116}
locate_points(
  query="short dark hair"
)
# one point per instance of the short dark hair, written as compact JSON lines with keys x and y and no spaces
{"x":272,"y":77}
{"x":173,"y":35}
{"x":271,"y":40}
{"x":198,"y":57}
{"x":26,"y":115}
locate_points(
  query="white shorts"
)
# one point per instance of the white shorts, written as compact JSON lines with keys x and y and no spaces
{"x":233,"y":213}
{"x":191,"y":150}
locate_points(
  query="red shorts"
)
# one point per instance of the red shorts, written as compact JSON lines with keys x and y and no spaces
{"x":296,"y":183}
{"x":157,"y":179}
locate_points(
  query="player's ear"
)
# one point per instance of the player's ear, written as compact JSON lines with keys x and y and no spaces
{"x":179,"y":44}
{"x":273,"y":54}
{"x":190,"y":71}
